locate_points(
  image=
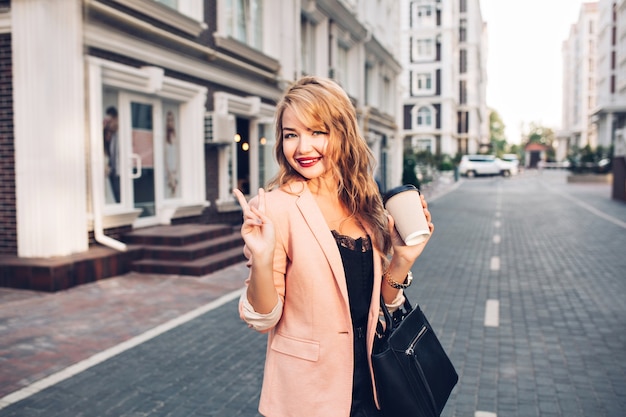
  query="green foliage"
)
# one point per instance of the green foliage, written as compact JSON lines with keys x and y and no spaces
{"x":409,"y":176}
{"x":497,"y":137}
{"x":587,"y":155}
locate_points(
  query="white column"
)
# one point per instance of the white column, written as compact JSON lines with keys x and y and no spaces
{"x":49,"y":116}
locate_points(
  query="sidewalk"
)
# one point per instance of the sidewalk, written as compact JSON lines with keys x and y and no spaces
{"x":44,"y":333}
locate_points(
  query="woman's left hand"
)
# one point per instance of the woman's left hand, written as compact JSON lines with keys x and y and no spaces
{"x":410,"y":253}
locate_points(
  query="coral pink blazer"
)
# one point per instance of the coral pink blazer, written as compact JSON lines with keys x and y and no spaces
{"x":309,"y":362}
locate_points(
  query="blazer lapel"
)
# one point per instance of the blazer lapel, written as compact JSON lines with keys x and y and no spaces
{"x":317,"y":224}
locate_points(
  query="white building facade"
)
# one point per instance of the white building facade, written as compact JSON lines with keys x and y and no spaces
{"x":190,"y":87}
{"x":579,"y":83}
{"x":444,"y":51}
{"x":609,"y":114}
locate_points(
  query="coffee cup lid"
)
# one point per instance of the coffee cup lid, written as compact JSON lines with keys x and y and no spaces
{"x":398,"y":190}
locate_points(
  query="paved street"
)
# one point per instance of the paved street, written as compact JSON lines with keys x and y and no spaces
{"x":524,"y":282}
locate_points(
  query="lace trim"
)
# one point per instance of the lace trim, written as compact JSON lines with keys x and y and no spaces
{"x":351,"y":243}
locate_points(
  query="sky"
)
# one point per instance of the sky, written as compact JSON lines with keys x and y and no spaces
{"x":524,"y":61}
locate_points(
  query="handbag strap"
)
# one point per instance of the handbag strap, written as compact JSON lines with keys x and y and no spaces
{"x":389,"y":322}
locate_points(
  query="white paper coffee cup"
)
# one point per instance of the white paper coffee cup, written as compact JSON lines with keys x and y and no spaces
{"x":405,"y":206}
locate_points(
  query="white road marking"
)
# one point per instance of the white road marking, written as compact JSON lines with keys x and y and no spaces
{"x":115,"y":350}
{"x":492,"y":313}
{"x":484,"y":414}
{"x":495,"y":263}
{"x":497,"y":223}
{"x":496,"y":239}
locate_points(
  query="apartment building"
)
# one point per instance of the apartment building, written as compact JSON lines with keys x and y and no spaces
{"x":121,"y":116}
{"x":579,"y":83}
{"x":444,"y":51}
{"x":609,"y":114}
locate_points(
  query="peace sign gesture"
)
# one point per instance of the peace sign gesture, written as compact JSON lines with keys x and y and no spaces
{"x":257,"y":229}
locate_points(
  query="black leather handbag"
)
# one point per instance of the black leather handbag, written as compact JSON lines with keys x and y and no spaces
{"x":414,"y":375}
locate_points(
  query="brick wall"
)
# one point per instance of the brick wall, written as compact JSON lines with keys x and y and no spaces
{"x":8,"y":222}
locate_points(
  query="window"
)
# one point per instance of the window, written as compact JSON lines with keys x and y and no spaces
{"x":462,"y":30}
{"x":145,"y":135}
{"x":421,"y":49}
{"x":463,"y":61}
{"x":425,"y":145}
{"x":422,"y":83}
{"x":424,"y":117}
{"x":186,"y":16}
{"x":422,"y":14}
{"x":245,"y":21}
{"x":463,"y":6}
{"x":369,"y":84}
{"x":463,"y":92}
{"x":387,"y":95}
{"x":171,"y":150}
{"x":247,"y":161}
{"x":342,"y":66}
{"x":462,"y":122}
{"x":307,"y":42}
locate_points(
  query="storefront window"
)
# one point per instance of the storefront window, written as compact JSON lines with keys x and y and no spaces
{"x":171,"y":151}
{"x":110,"y":146}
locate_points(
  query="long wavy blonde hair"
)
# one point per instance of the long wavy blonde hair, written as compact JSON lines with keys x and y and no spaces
{"x":321,"y":104}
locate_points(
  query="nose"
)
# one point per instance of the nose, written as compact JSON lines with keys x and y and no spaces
{"x":305,"y":144}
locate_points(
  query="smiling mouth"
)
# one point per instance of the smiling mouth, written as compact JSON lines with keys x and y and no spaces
{"x":307,"y":162}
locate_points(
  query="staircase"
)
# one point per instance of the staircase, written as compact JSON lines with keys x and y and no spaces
{"x":190,"y":249}
{"x":187,"y":249}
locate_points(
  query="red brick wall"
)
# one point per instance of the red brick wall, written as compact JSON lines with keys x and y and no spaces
{"x":8,"y":222}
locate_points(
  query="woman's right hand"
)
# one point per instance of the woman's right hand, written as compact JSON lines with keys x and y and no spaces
{"x":257,"y":229}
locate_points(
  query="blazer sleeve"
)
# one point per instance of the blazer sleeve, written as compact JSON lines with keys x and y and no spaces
{"x":265,"y":322}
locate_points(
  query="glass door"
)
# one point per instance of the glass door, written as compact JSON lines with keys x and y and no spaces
{"x":142,"y":115}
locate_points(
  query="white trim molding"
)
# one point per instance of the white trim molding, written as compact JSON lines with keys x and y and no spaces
{"x":152,"y":81}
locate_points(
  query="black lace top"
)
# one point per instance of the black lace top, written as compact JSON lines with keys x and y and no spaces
{"x":358,"y":265}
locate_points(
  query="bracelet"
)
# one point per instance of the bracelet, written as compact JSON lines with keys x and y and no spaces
{"x":407,"y":281}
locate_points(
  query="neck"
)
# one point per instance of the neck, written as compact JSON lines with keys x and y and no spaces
{"x":323,"y":187}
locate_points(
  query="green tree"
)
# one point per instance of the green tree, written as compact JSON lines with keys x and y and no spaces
{"x":497,"y":137}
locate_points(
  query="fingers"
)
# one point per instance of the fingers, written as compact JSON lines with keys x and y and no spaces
{"x":262,"y":200}
{"x":252,"y":216}
{"x":242,"y":199}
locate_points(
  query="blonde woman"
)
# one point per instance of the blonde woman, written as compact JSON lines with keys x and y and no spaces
{"x":318,"y":246}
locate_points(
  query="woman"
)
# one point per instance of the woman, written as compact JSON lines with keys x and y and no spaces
{"x":319,"y":244}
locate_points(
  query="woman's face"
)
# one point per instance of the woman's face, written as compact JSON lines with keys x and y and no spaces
{"x":303,"y":147}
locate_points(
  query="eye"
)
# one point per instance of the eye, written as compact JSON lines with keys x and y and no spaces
{"x":319,"y":133}
{"x":289,"y":135}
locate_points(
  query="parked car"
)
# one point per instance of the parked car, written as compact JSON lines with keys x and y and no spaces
{"x":474,"y":165}
{"x":513,"y":161}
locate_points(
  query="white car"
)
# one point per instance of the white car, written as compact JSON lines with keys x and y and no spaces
{"x":513,"y":162}
{"x":474,"y":165}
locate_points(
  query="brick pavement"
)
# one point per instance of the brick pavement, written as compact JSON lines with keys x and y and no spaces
{"x":559,"y":349}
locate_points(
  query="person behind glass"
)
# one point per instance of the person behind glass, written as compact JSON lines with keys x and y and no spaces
{"x":111,"y":127}
{"x":321,"y":249}
{"x":171,"y":156}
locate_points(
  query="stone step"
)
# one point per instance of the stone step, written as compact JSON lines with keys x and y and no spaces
{"x":196,"y":267}
{"x":177,"y":235}
{"x":193,"y":251}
